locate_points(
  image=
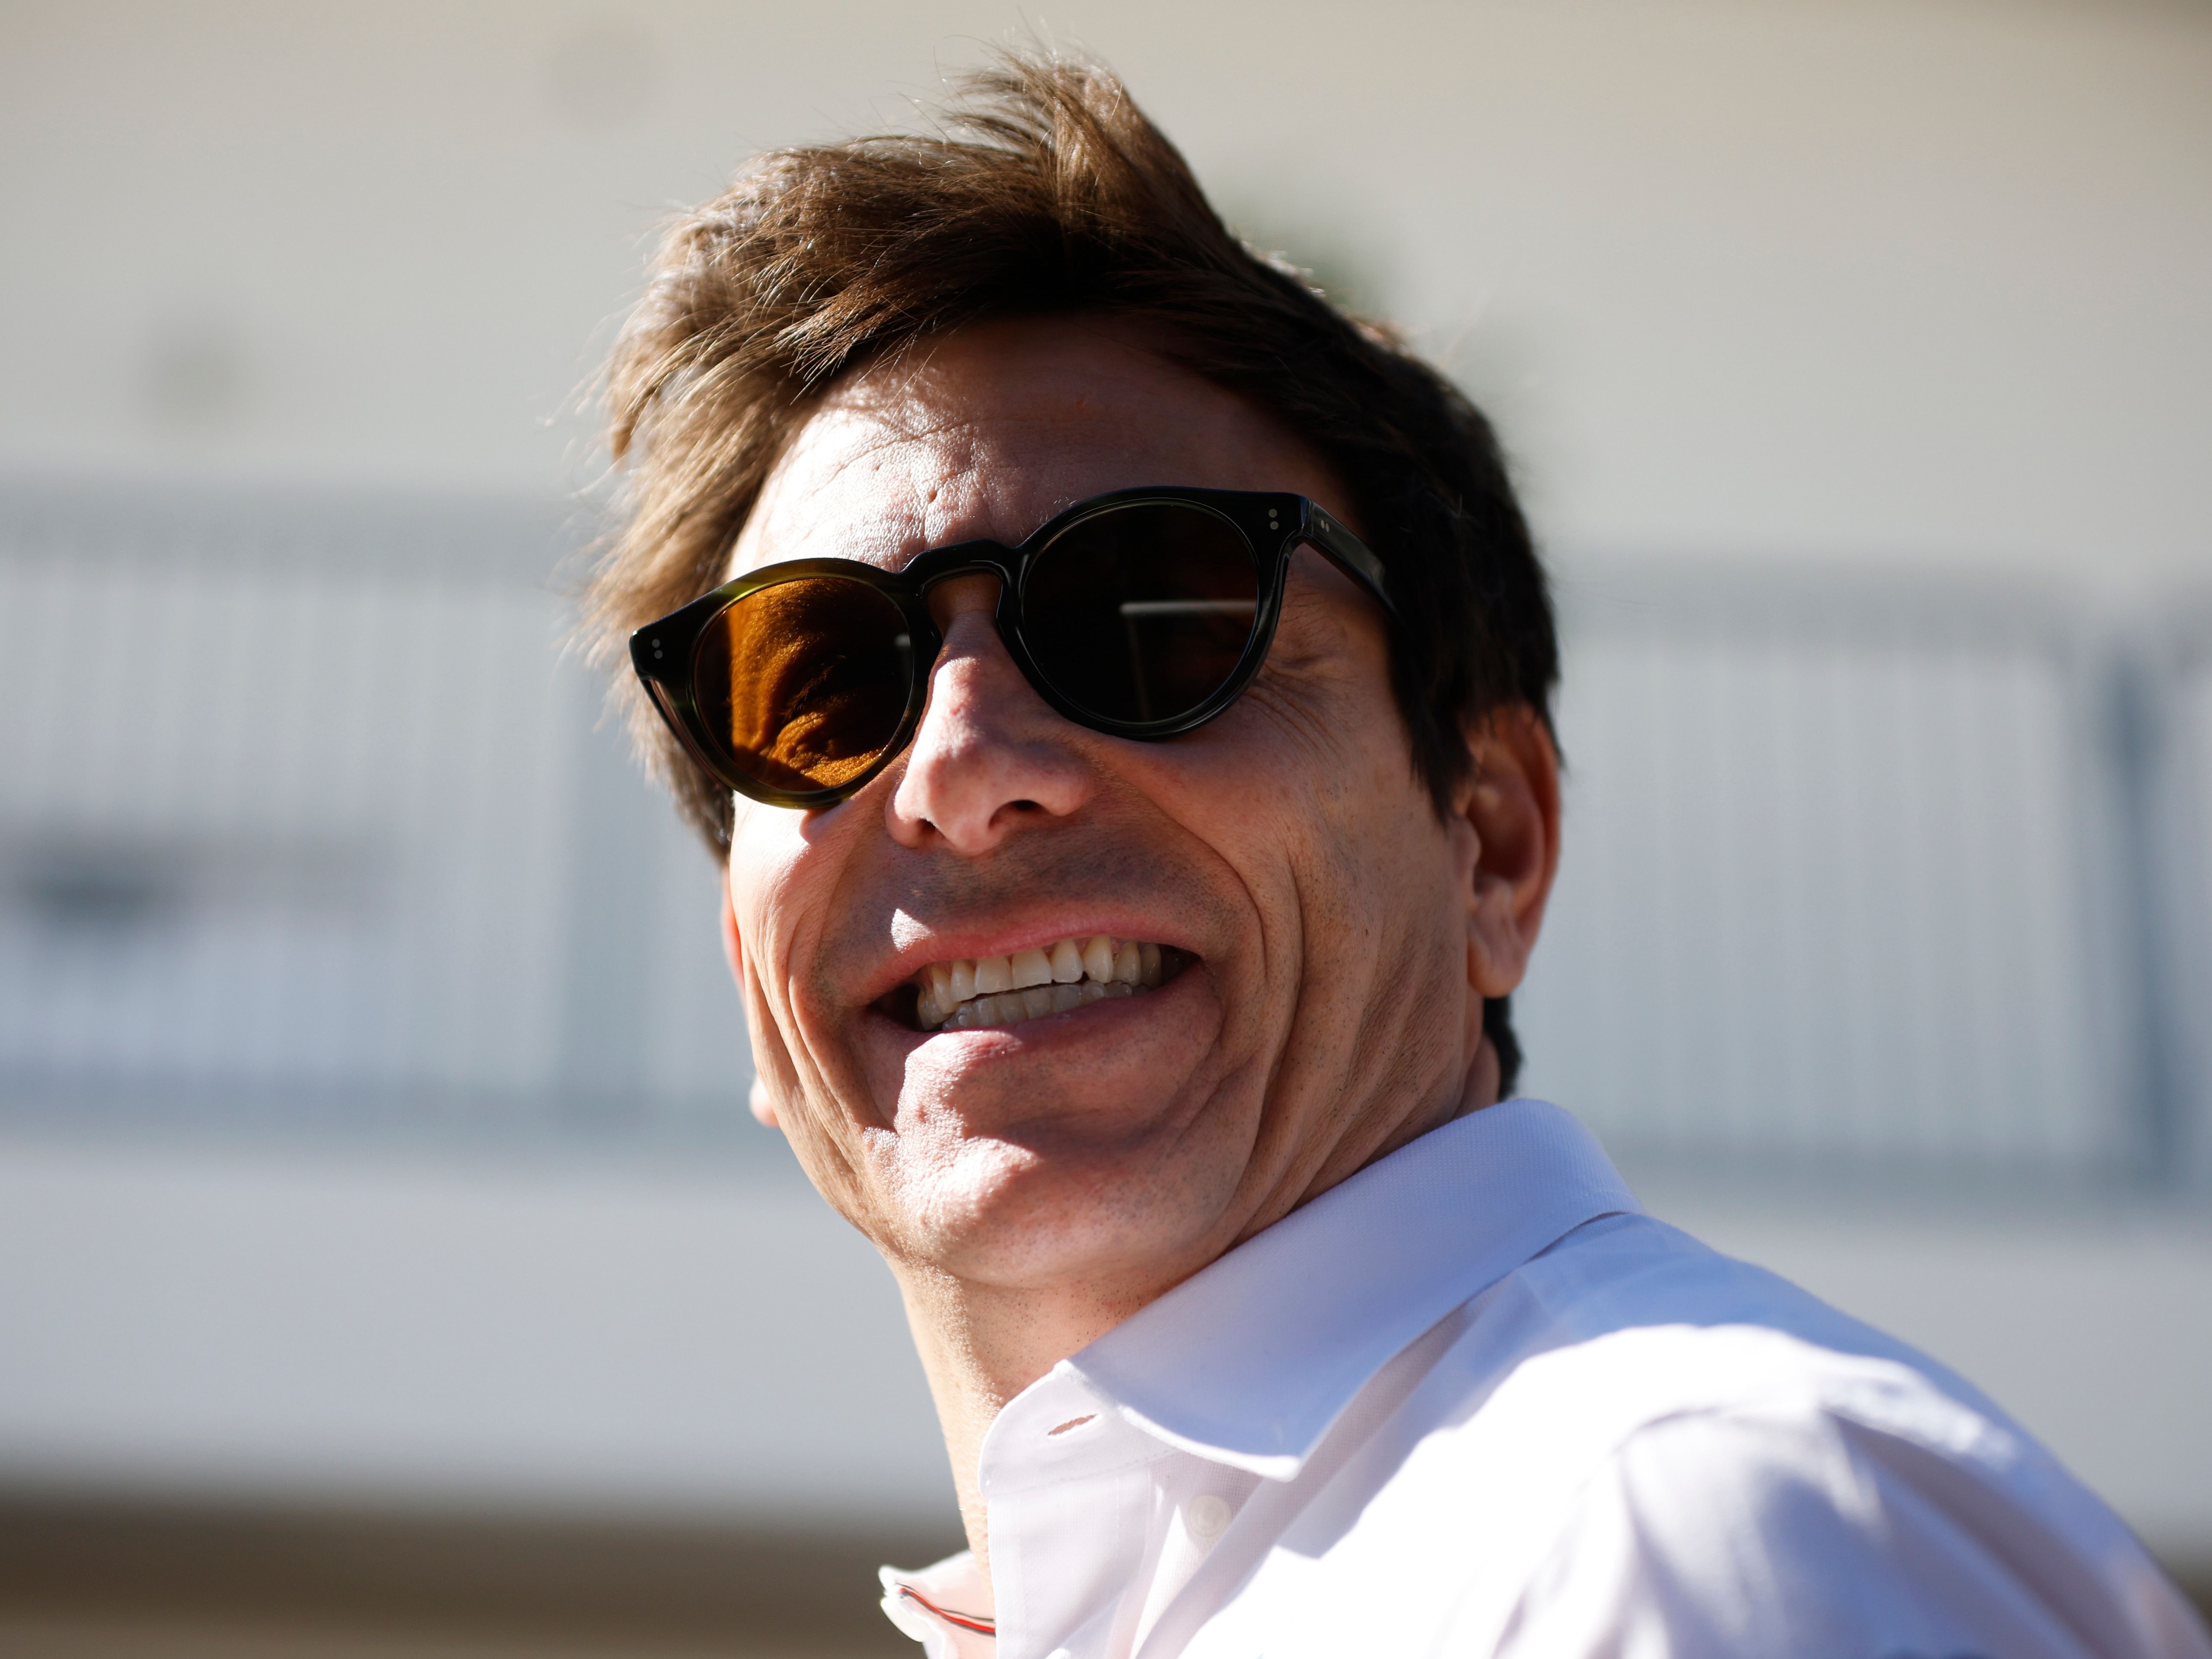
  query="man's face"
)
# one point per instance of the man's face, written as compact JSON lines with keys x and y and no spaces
{"x":1285,"y":854}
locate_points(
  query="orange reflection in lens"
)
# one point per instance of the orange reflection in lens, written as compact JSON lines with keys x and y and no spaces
{"x":806,"y":681}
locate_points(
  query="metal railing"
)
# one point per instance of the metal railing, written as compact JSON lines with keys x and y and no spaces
{"x":1873,"y":878}
{"x":308,"y":825}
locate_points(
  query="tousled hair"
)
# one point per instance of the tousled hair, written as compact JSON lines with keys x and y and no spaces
{"x":1048,"y":192}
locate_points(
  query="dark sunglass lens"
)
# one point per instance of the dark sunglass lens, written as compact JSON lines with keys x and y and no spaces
{"x":805,"y":684}
{"x":1141,"y":613}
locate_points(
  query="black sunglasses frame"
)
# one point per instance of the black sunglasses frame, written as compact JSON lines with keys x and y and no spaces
{"x":1273,"y":525}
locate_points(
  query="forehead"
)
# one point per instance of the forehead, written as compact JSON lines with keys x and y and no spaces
{"x":991,"y":430}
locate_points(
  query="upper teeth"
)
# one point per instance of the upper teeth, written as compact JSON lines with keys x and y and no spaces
{"x":1030,"y":984}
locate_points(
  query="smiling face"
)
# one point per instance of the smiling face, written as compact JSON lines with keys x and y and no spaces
{"x":1310,"y":929}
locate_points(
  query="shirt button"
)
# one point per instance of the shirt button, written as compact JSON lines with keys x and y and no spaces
{"x":1206,"y":1517}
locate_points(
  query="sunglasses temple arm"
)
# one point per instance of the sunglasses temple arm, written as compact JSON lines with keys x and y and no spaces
{"x":1349,"y":554}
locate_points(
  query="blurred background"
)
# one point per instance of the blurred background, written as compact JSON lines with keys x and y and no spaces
{"x":388,"y":1263}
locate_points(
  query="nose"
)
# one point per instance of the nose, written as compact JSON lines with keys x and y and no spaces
{"x":990,"y":755}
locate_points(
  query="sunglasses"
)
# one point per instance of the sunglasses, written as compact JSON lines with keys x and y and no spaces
{"x":1143,"y":613}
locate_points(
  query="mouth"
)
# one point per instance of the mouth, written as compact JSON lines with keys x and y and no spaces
{"x":976,"y":992}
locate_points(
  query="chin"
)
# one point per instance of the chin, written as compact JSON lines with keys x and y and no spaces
{"x":1051,"y":1209}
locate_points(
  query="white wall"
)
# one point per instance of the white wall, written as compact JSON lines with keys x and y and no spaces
{"x":597,"y":1337}
{"x":1879,"y":279}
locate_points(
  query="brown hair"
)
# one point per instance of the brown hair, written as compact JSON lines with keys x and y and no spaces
{"x":1049,"y":192}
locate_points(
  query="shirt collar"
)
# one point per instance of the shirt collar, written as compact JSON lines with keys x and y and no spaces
{"x":1250,"y":1361}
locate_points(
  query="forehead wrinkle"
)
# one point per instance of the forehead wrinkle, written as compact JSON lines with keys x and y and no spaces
{"x":976,"y":440}
{"x":809,"y":469}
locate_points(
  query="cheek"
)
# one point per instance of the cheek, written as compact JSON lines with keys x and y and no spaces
{"x":774,"y":875}
{"x":1323,"y":763}
{"x":782,"y":881}
{"x":1320,"y":719}
{"x":1311,"y":803}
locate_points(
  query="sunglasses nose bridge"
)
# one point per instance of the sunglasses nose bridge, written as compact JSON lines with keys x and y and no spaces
{"x":943,"y":586}
{"x":945,"y":564}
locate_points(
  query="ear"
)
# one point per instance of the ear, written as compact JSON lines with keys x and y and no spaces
{"x":733,"y":951}
{"x":1509,"y":800}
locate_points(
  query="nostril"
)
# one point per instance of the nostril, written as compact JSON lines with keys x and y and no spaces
{"x":1024,"y":807}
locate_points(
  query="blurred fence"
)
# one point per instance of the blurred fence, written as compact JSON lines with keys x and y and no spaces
{"x":307,"y":828}
{"x":1881,"y":879}
{"x":308,"y":825}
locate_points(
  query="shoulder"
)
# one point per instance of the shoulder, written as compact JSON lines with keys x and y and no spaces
{"x":1638,"y":1321}
{"x":1632,"y":1431}
{"x":1627,"y":1323}
{"x":1865,"y":1515}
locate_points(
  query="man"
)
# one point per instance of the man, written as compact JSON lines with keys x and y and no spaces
{"x":1119,"y":687}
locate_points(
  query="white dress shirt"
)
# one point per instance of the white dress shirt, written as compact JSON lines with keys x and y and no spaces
{"x":1474,"y":1402}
